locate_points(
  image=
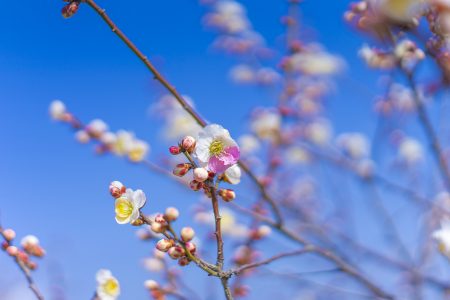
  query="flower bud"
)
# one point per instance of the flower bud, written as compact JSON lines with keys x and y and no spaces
{"x":195,"y":185}
{"x":190,"y":246}
{"x":151,"y":284}
{"x":137,"y":222}
{"x":158,"y":227}
{"x":200,"y":174}
{"x":116,"y":189}
{"x":181,"y":169}
{"x":188,"y":144}
{"x":57,"y":110}
{"x":227,"y":194}
{"x":9,"y":234}
{"x":22,"y":256}
{"x":82,"y":136}
{"x":176,"y":252}
{"x":184,"y":261}
{"x":172,"y":214}
{"x":12,"y":250}
{"x":160,"y":219}
{"x":32,"y":265}
{"x":175,"y":150}
{"x":187,"y":234}
{"x":164,"y":245}
{"x":261,"y":232}
{"x":70,"y":9}
{"x":29,"y":241}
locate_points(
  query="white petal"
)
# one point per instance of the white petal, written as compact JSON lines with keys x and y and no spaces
{"x":139,"y":199}
{"x":103,"y":275}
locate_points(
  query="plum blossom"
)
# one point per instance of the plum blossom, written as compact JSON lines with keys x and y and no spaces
{"x":57,"y":110}
{"x":108,"y":287}
{"x":216,"y":149}
{"x":128,"y":205}
{"x":355,"y":145}
{"x":442,"y":236}
{"x":410,"y":150}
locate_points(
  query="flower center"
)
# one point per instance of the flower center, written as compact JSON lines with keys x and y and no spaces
{"x":111,"y":287}
{"x":216,"y":148}
{"x":124,"y":208}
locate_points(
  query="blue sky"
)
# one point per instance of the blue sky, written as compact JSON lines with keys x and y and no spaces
{"x":56,"y":188}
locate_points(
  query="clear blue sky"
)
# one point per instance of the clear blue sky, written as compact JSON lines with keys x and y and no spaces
{"x":56,"y":188}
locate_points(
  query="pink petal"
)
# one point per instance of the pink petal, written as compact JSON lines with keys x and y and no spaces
{"x":231,"y":155}
{"x":216,"y":165}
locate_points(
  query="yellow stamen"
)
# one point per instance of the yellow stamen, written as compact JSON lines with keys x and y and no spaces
{"x":216,"y":148}
{"x":111,"y":287}
{"x":124,"y":208}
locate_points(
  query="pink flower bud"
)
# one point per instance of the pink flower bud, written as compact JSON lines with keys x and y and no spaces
{"x":32,"y":265}
{"x":200,"y":174}
{"x":181,"y":169}
{"x":195,"y":185}
{"x":151,"y":284}
{"x":175,"y":150}
{"x":22,"y":256}
{"x":116,"y":189}
{"x":227,"y":194}
{"x":176,"y":252}
{"x":160,"y":219}
{"x":184,"y":261}
{"x":70,"y":9}
{"x":164,"y":245}
{"x":187,"y":234}
{"x":12,"y":250}
{"x":190,"y":246}
{"x":9,"y":234}
{"x":172,"y":213}
{"x":188,"y":144}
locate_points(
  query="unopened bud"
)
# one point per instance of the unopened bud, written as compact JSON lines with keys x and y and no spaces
{"x":158,"y":227}
{"x":176,"y":252}
{"x":190,"y":246}
{"x":195,"y":185}
{"x":70,"y":9}
{"x":172,"y":214}
{"x":175,"y":150}
{"x":32,"y":265}
{"x":200,"y":174}
{"x":151,"y":284}
{"x":137,"y":222}
{"x":12,"y":250}
{"x":188,"y":144}
{"x":9,"y":234}
{"x":116,"y":189}
{"x":160,"y":219}
{"x":187,"y":234}
{"x":181,"y":169}
{"x":164,"y":245}
{"x":82,"y":137}
{"x":227,"y":194}
{"x":184,"y":261}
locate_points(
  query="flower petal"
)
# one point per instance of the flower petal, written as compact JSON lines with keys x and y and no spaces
{"x":139,"y":199}
{"x":216,"y":165}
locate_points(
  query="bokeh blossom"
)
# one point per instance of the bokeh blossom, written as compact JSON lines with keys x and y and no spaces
{"x":108,"y":287}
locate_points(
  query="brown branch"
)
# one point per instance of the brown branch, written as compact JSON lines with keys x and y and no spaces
{"x":241,"y":269}
{"x":325,"y":253}
{"x":429,"y":130}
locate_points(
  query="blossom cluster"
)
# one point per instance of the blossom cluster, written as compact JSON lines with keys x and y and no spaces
{"x":120,"y":143}
{"x":29,"y":247}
